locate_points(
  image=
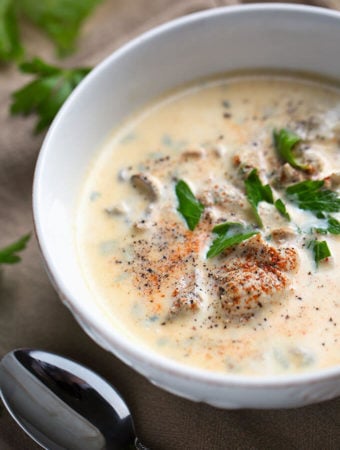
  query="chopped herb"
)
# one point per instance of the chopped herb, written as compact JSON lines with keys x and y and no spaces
{"x":281,"y":207}
{"x":257,"y":192}
{"x":224,"y":227}
{"x":229,"y":234}
{"x":311,"y":195}
{"x":190,"y":208}
{"x":285,"y":141}
{"x":333,"y":227}
{"x":320,"y":250}
{"x":46,"y":94}
{"x":8,"y":255}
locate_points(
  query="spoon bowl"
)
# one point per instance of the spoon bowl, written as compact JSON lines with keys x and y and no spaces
{"x":63,"y":405}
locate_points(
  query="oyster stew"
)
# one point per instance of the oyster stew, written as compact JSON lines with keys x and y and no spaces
{"x":208,"y":225}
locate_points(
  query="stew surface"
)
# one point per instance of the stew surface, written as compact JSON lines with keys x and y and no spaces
{"x":207,"y":226}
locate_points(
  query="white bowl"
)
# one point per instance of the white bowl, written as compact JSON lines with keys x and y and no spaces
{"x":219,"y":40}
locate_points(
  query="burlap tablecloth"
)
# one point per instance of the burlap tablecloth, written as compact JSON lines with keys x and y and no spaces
{"x":31,"y":315}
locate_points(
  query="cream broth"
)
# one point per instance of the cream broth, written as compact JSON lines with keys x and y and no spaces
{"x":262,"y":306}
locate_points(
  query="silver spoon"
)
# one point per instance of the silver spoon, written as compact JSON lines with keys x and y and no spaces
{"x":63,"y":405}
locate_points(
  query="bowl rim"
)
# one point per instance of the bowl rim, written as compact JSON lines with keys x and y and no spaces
{"x":116,"y":340}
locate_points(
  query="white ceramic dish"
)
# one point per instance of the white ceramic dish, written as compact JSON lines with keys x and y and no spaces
{"x":219,"y":40}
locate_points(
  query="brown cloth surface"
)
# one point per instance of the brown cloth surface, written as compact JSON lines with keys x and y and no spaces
{"x":31,"y":315}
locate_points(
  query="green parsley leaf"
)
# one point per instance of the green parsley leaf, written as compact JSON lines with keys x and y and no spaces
{"x":281,"y":207}
{"x":60,"y":19}
{"x":224,"y":227}
{"x":320,"y":250}
{"x":45,"y":95}
{"x":10,"y":47}
{"x":333,"y":226}
{"x":190,"y":208}
{"x":257,"y":192}
{"x":229,"y":234}
{"x":8,"y":255}
{"x":285,"y":141}
{"x":311,"y":195}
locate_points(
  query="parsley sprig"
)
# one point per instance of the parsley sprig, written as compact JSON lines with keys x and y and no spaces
{"x":281,"y":207}
{"x":228,"y":234}
{"x":9,"y":254}
{"x":256,"y":192}
{"x":61,"y":20}
{"x":10,"y":45}
{"x":320,"y":250}
{"x":313,"y":196}
{"x":285,"y":142}
{"x":332,"y":226}
{"x":190,"y":208}
{"x":47,"y":92}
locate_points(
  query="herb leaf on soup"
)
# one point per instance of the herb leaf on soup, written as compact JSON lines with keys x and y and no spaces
{"x":256,"y":192}
{"x":333,"y":226}
{"x":45,"y":95}
{"x":320,"y":250}
{"x":190,"y":208}
{"x":311,"y":195}
{"x":281,"y":207}
{"x":9,"y":254}
{"x":229,"y":234}
{"x":285,"y":141}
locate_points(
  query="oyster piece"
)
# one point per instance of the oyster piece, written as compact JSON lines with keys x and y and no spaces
{"x":247,"y":160}
{"x":148,"y":185}
{"x":283,"y":234}
{"x":287,"y":174}
{"x":333,"y":181}
{"x":314,"y":162}
{"x":187,"y":294}
{"x":147,"y":220}
{"x":120,"y":209}
{"x":253,"y":275}
{"x":194,"y":153}
{"x":223,"y":201}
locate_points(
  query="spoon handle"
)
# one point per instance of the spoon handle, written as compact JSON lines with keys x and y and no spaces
{"x":139,"y":445}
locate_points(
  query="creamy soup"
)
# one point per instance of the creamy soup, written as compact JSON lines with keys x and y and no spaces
{"x":208,"y":225}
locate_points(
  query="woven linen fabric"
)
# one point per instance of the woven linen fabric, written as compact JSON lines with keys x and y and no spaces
{"x":31,"y":315}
